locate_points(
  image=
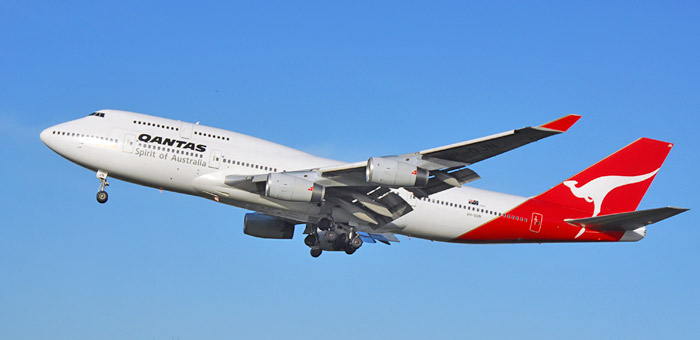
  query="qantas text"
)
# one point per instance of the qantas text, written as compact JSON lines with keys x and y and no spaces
{"x":172,"y":142}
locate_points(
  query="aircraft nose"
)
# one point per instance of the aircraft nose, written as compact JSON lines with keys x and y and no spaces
{"x":45,"y":136}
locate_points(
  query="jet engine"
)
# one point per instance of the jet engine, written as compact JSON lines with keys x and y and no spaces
{"x":292,"y":188}
{"x":390,"y":172}
{"x":263,"y":226}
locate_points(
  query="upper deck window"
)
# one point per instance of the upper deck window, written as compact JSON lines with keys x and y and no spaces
{"x":97,"y":114}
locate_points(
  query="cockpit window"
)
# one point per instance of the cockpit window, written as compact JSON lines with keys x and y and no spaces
{"x":97,"y":114}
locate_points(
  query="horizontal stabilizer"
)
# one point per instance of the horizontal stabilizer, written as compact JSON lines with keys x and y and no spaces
{"x":626,"y":221}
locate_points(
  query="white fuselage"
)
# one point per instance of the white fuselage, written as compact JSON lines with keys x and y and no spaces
{"x":186,"y":158}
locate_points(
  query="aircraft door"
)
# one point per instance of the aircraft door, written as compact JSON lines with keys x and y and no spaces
{"x":186,"y":130}
{"x":215,"y":159}
{"x":129,"y":141}
{"x":536,"y":222}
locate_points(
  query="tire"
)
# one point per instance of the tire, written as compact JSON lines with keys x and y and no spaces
{"x":356,"y":242}
{"x":310,"y":240}
{"x":324,"y":224}
{"x":340,"y":243}
{"x":331,"y":235}
{"x":316,"y":251}
{"x":102,"y":197}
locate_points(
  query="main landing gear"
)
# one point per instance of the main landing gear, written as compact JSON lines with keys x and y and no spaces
{"x":328,"y":235}
{"x":102,"y":194}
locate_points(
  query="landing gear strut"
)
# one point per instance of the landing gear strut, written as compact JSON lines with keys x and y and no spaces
{"x":102,"y":194}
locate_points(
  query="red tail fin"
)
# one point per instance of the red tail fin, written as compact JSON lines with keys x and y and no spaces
{"x":616,"y":184}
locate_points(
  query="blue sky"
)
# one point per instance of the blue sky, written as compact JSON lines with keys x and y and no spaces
{"x":346,"y":80}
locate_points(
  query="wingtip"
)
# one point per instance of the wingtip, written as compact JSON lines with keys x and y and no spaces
{"x":562,"y":124}
{"x":654,"y":141}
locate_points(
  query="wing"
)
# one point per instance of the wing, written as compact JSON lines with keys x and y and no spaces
{"x":470,"y":152}
{"x":443,"y":168}
{"x":447,"y":164}
{"x":364,"y":190}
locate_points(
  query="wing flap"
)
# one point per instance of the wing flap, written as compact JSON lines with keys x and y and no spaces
{"x":444,"y":180}
{"x":385,"y":238}
{"x":626,"y":221}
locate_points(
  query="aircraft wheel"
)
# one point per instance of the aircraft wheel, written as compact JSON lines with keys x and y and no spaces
{"x":356,"y":242}
{"x":316,"y":251}
{"x":340,"y":242}
{"x":350,"y":250}
{"x":331,"y":235}
{"x":310,"y":240}
{"x":324,"y":224}
{"x":102,"y":196}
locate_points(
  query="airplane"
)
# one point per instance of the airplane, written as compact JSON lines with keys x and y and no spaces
{"x":344,"y":205}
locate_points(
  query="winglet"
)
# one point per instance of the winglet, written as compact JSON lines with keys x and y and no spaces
{"x":562,"y":124}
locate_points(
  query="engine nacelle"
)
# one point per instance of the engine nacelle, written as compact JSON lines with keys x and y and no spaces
{"x":292,"y":188}
{"x":264,"y":226}
{"x":394,"y":173}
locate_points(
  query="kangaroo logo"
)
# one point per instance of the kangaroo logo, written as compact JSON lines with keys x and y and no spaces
{"x":596,"y":190}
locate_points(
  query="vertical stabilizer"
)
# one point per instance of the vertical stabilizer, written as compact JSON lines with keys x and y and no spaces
{"x":614,"y":185}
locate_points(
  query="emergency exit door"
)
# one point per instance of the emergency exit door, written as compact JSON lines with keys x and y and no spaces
{"x":129,"y":141}
{"x":536,"y":222}
{"x":215,"y":159}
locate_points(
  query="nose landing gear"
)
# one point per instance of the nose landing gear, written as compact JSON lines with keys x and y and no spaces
{"x":102,"y":194}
